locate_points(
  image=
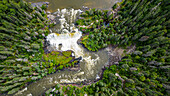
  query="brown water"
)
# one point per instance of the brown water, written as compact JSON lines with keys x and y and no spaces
{"x":76,"y":4}
{"x":39,"y":87}
{"x":92,"y":63}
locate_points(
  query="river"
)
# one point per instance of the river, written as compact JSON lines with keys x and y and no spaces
{"x":91,"y":64}
{"x":76,"y":4}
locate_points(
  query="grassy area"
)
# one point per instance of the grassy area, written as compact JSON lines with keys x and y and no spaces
{"x":58,"y":60}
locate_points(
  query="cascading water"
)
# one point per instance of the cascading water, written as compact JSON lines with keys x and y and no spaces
{"x":67,"y":35}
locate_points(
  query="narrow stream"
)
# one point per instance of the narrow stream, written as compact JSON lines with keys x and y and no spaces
{"x":67,"y":35}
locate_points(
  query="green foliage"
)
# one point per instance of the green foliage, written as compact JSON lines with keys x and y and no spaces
{"x":59,"y":60}
{"x":140,"y":23}
{"x":100,"y":34}
{"x":19,"y":51}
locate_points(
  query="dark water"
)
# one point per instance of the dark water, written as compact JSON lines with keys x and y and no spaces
{"x":76,"y":4}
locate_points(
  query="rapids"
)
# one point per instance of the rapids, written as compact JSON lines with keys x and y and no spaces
{"x":68,"y":39}
{"x":67,"y":35}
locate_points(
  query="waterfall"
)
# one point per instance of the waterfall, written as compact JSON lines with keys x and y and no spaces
{"x":65,"y":19}
{"x":67,"y":40}
{"x":67,"y":35}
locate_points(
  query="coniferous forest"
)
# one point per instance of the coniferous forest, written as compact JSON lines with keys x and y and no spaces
{"x":141,"y":23}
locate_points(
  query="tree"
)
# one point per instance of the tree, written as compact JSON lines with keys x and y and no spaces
{"x":114,"y":6}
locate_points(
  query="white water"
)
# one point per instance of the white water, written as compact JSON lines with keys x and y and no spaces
{"x":90,"y":66}
{"x":68,"y":38}
{"x":68,"y":41}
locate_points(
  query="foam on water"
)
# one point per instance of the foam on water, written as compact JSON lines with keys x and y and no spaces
{"x":69,"y":37}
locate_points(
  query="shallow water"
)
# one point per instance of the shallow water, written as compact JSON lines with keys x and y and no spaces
{"x":76,"y":4}
{"x":40,"y":86}
{"x":90,"y":66}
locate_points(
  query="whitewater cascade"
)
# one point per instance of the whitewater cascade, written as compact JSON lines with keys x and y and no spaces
{"x":67,"y":34}
{"x":68,"y":38}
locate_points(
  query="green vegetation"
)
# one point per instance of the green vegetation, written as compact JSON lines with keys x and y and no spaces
{"x":143,"y":23}
{"x":58,"y":60}
{"x":22,"y":32}
{"x":145,"y":72}
{"x":99,"y":27}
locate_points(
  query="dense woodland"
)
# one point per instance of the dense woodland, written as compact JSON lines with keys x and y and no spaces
{"x":22,"y":58}
{"x":143,"y":23}
{"x":145,"y":72}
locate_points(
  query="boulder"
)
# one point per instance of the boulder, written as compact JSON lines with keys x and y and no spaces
{"x":79,"y":58}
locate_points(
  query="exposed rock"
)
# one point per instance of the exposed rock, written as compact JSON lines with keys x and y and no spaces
{"x":80,"y":58}
{"x":76,"y":59}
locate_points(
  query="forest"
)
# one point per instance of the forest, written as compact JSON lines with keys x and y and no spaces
{"x":143,"y":23}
